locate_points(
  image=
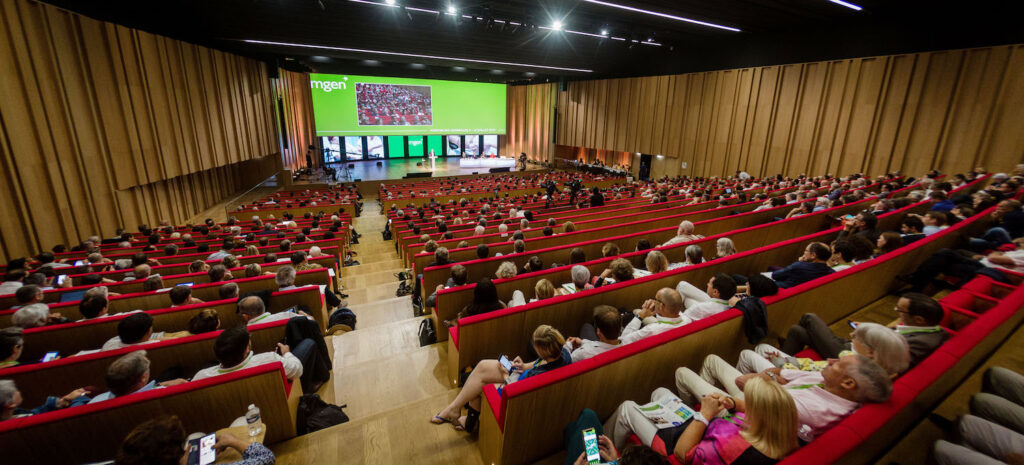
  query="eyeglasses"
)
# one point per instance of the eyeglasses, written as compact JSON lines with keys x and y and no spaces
{"x":900,"y":310}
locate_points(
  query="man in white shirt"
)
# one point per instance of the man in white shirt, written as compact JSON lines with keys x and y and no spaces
{"x":601,"y":336}
{"x":13,"y":279}
{"x":234,"y":352}
{"x":822,"y":399}
{"x":700,"y":304}
{"x":136,"y":328}
{"x":254,"y":312}
{"x":665,"y":307}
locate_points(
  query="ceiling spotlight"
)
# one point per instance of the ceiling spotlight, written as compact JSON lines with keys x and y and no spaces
{"x":604,"y":32}
{"x":847,"y":4}
{"x":389,"y":2}
{"x":557,"y":25}
{"x":451,"y":9}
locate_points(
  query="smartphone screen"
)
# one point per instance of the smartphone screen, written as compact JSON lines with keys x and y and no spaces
{"x":590,"y":445}
{"x":207,"y":453}
{"x":61,"y":278}
{"x":79,"y":262}
{"x":50,"y":356}
{"x":852,"y":324}
{"x":505,"y":363}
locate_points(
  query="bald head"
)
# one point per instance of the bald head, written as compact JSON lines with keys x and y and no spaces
{"x":686,"y":227}
{"x":672,"y":302}
{"x":251,"y":307}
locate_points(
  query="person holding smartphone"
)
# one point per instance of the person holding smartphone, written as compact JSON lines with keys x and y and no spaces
{"x":158,"y":442}
{"x":547,"y":342}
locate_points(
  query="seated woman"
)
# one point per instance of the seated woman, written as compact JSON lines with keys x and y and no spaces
{"x":547,"y":342}
{"x":694,"y":255}
{"x":580,"y":281}
{"x":883,"y":345}
{"x":159,"y":442}
{"x":724,"y":247}
{"x":485,"y":299}
{"x":887,"y":242}
{"x":619,"y":270}
{"x":656,"y":262}
{"x":542,"y":290}
{"x":762,"y":431}
{"x":506,"y":270}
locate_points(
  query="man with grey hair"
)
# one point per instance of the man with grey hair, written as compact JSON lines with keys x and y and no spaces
{"x":36,"y":315}
{"x":130,"y":374}
{"x":823,"y":398}
{"x":285,"y":278}
{"x":10,"y":401}
{"x":683,"y":234}
{"x":254,"y":311}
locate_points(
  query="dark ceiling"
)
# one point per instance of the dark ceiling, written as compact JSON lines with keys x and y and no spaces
{"x":468,"y":45}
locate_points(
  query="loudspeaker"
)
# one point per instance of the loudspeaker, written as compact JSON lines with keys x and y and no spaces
{"x":419,"y":164}
{"x":476,"y":172}
{"x":380,"y":163}
{"x":498,"y":170}
{"x":358,"y":180}
{"x":418,"y":175}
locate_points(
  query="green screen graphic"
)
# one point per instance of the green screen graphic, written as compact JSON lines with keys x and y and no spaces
{"x":396,"y":147}
{"x":346,"y":105}
{"x":435,"y":144}
{"x":416,"y":147}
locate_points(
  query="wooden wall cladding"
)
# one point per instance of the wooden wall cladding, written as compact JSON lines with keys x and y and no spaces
{"x":299,"y":130}
{"x":950,"y":110}
{"x":103,"y":126}
{"x":530,"y":121}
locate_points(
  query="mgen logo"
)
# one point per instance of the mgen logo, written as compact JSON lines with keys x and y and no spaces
{"x":328,"y":86}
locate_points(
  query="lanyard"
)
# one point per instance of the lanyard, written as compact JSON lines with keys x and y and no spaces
{"x":805,"y":386}
{"x":237,"y":367}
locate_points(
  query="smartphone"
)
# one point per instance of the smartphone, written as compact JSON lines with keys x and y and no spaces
{"x":79,"y":262}
{"x":505,"y":363}
{"x":728,"y":191}
{"x":590,"y":445}
{"x":186,"y":284}
{"x":849,"y":217}
{"x":201,"y":451}
{"x":61,"y":278}
{"x":50,"y":356}
{"x":852,"y":324}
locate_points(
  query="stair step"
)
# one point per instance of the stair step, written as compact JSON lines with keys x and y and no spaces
{"x":375,"y":343}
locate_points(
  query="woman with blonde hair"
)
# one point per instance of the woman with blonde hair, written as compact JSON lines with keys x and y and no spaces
{"x":506,"y":270}
{"x":251,"y":250}
{"x":543,"y":290}
{"x":656,"y":262}
{"x":762,"y":430}
{"x":253,"y":270}
{"x":547,"y":342}
{"x":568,"y":227}
{"x":725,"y":247}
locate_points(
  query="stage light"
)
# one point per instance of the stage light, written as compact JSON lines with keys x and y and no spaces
{"x":664,"y":15}
{"x":414,"y":55}
{"x":459,"y":69}
{"x":451,"y":9}
{"x":847,"y":4}
{"x":557,"y":25}
{"x":389,"y":2}
{"x":604,"y":32}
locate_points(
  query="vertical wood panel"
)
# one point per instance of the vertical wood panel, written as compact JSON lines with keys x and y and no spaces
{"x":947,"y":110}
{"x":105,"y":126}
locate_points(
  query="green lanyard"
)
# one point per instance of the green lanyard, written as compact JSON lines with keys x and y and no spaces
{"x":805,"y":386}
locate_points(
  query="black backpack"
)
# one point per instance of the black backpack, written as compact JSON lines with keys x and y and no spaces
{"x":387,"y":234}
{"x":343,"y":316}
{"x":314,"y":414}
{"x":427,"y":333}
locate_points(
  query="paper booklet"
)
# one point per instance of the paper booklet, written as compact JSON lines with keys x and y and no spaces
{"x":569,"y":287}
{"x":670,"y":413}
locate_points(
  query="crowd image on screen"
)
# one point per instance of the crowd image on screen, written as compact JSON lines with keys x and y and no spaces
{"x":393,"y":105}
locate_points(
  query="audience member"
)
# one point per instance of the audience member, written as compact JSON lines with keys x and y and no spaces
{"x":683,"y":234}
{"x":234,"y":352}
{"x":11,"y":399}
{"x":159,"y":442}
{"x":812,"y":264}
{"x":130,"y":374}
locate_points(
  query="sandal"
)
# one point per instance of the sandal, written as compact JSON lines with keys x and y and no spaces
{"x":439,"y":420}
{"x":460,"y":424}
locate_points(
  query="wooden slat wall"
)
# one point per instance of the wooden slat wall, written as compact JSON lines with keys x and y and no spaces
{"x":530,"y":117}
{"x":300,"y":132}
{"x":951,"y":110}
{"x":103,"y":126}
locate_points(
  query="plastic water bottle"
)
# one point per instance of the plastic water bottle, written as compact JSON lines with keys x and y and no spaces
{"x":252,"y":418}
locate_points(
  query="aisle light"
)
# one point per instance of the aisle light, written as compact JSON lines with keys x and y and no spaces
{"x":664,"y":15}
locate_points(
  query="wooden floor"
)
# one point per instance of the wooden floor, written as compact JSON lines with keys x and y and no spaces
{"x":391,"y":385}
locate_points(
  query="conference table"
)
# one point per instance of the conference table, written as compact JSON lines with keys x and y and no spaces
{"x":487,"y":162}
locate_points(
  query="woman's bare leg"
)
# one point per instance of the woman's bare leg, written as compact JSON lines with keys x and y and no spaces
{"x":486,"y":372}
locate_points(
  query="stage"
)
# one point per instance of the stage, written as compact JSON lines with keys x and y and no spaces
{"x":397,"y":168}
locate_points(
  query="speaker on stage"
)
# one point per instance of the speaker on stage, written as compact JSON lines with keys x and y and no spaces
{"x":498,"y":170}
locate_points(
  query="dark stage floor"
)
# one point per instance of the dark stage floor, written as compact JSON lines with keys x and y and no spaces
{"x":397,"y":168}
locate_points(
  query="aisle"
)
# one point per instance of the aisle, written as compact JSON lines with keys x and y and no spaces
{"x":391,"y":385}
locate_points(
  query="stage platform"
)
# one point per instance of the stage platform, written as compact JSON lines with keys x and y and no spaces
{"x":397,"y":168}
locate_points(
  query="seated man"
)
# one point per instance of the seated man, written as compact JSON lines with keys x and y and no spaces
{"x":301,"y":261}
{"x":10,"y":401}
{"x":700,"y":304}
{"x":965,"y":266}
{"x":918,"y":322}
{"x":812,"y":264}
{"x":683,"y":234}
{"x":823,"y":398}
{"x":864,"y":224}
{"x":27,"y":295}
{"x":130,"y":374}
{"x":13,"y":279}
{"x":911,"y":228}
{"x":1009,"y":225}
{"x":36,"y":315}
{"x":234,"y":352}
{"x":597,"y":337}
{"x":457,"y":278}
{"x":182,"y":295}
{"x":136,"y":328}
{"x":665,"y":307}
{"x":254,"y":311}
